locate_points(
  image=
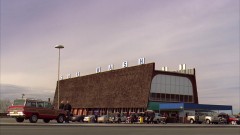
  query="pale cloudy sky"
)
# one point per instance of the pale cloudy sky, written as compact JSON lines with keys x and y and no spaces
{"x":204,"y":34}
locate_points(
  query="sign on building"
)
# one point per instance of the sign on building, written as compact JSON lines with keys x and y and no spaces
{"x":141,"y":61}
{"x":69,"y":76}
{"x":98,"y":69}
{"x":110,"y":67}
{"x":77,"y":74}
{"x":125,"y":64}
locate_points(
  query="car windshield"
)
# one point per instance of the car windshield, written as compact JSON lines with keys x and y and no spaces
{"x":19,"y":102}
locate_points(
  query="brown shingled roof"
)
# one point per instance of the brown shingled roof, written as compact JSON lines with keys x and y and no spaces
{"x":122,"y":88}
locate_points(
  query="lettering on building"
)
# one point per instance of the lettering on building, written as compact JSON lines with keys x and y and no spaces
{"x":69,"y":76}
{"x":98,"y":69}
{"x":124,"y":64}
{"x":141,"y":61}
{"x":110,"y":67}
{"x":77,"y":74}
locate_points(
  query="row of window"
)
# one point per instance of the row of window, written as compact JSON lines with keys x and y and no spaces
{"x":171,"y":85}
{"x":170,"y":79}
{"x":38,"y":104}
{"x":172,"y":89}
{"x":170,"y":97}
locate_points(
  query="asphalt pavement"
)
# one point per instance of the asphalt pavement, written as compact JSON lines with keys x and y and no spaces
{"x":79,"y":130}
{"x":8,"y":126}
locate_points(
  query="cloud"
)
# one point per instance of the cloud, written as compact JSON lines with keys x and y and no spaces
{"x":202,"y":34}
{"x":11,"y":92}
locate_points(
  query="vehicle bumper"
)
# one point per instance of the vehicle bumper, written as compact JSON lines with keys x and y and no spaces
{"x":15,"y":115}
{"x":86,"y":120}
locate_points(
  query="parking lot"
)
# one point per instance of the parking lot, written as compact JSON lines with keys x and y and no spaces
{"x":8,"y":126}
{"x":12,"y":122}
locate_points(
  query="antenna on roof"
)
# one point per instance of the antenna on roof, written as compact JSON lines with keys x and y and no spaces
{"x":77,"y":74}
{"x":182,"y":66}
{"x":164,"y":68}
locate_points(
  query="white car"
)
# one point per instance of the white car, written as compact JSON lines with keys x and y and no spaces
{"x":89,"y":118}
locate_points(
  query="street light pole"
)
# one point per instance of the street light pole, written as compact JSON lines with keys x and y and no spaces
{"x":58,"y":47}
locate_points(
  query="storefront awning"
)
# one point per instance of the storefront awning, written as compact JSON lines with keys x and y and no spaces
{"x":186,"y":106}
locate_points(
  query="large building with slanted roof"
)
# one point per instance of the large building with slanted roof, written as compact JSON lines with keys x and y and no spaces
{"x":131,"y":89}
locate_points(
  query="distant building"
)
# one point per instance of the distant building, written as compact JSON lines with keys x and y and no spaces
{"x":130,"y":89}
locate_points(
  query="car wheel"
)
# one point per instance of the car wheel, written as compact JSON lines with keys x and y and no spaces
{"x":33,"y":118}
{"x":19,"y":119}
{"x":233,"y":122}
{"x":191,"y":121}
{"x":46,"y":120}
{"x":208,"y":121}
{"x":60,"y":119}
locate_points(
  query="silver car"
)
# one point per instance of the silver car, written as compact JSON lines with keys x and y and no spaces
{"x":103,"y":119}
{"x":211,"y":118}
{"x":117,"y":118}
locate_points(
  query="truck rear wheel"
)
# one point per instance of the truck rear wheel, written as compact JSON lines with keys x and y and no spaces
{"x":33,"y":118}
{"x":19,"y":119}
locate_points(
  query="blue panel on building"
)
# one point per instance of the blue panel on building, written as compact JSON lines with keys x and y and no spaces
{"x":192,"y":106}
{"x":170,"y":106}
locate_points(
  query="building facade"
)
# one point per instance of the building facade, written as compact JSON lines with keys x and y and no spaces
{"x":130,"y":89}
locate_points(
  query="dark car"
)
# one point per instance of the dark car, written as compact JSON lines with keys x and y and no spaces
{"x":132,"y":118}
{"x":77,"y":118}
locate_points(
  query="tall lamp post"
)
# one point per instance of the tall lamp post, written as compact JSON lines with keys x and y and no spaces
{"x":58,"y":47}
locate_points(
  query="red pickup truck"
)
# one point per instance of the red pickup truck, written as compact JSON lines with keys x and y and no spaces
{"x":33,"y":110}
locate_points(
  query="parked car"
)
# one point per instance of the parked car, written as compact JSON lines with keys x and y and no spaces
{"x":123,"y":117}
{"x":117,"y":117}
{"x":35,"y":109}
{"x":215,"y":118}
{"x":230,"y":118}
{"x":238,"y":117}
{"x":199,"y":118}
{"x":77,"y":118}
{"x":152,"y":117}
{"x":233,"y":120}
{"x":103,"y":119}
{"x":132,"y":118}
{"x":158,"y":118}
{"x":89,"y":118}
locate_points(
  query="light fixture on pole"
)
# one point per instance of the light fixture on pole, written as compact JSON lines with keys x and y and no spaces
{"x":58,"y":47}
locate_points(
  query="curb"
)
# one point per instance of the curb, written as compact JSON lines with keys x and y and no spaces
{"x":121,"y":125}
